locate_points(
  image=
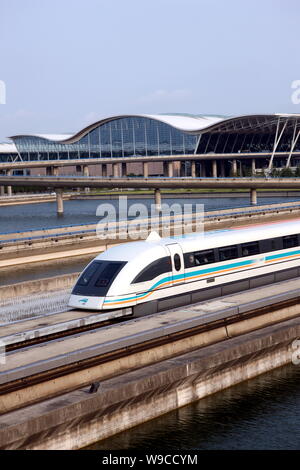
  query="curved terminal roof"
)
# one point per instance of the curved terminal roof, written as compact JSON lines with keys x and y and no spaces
{"x":191,"y":123}
{"x":8,"y":148}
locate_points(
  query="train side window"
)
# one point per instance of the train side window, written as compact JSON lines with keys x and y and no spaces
{"x":228,"y":252}
{"x":249,"y":249}
{"x":189,"y":260}
{"x":204,"y":257}
{"x":156,"y":268}
{"x":177,"y":262}
{"x":276,"y":244}
{"x":265,"y":246}
{"x":199,"y":257}
{"x":290,"y":241}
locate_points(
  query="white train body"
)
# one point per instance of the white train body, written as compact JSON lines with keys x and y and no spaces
{"x":166,"y":272}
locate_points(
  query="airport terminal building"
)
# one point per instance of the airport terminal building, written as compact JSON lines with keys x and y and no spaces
{"x":256,"y":141}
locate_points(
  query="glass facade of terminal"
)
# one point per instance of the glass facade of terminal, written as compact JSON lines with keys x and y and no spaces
{"x":145,"y":136}
{"x":230,"y":142}
{"x":123,"y":137}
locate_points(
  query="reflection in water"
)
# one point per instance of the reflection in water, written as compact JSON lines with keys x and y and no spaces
{"x":262,"y":413}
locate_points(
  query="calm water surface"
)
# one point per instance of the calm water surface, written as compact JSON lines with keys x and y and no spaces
{"x":32,"y":216}
{"x":262,"y":413}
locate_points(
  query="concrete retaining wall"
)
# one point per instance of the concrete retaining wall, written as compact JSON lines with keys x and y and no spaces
{"x":77,"y":419}
{"x":22,"y":289}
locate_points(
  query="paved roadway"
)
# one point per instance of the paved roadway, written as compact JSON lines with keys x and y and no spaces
{"x":150,"y":182}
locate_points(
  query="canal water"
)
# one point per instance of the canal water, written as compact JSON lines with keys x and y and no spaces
{"x":262,"y":413}
{"x":81,"y":211}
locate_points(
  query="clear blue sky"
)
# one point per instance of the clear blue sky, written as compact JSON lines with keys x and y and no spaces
{"x":67,"y":63}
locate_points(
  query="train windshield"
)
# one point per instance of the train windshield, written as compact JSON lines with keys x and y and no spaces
{"x":97,"y":278}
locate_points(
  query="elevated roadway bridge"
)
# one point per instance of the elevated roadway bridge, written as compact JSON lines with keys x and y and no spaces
{"x":139,"y":158}
{"x":151,"y":182}
{"x":59,"y":183}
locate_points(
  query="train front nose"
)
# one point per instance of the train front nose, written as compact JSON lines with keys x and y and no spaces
{"x":89,"y":303}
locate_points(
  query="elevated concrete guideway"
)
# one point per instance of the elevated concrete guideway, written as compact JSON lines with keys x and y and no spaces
{"x":147,"y":366}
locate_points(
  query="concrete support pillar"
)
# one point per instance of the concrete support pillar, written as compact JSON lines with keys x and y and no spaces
{"x":182,"y":169}
{"x":222,"y":169}
{"x":104,"y":170}
{"x":176,"y":169}
{"x":253,"y":166}
{"x":9,"y":189}
{"x":86,"y":171}
{"x":2,"y":190}
{"x":59,"y":201}
{"x":234,"y":168}
{"x":214,"y":169}
{"x":253,"y":195}
{"x":145,"y":169}
{"x":157,"y":197}
{"x":86,"y":174}
{"x":116,"y":170}
{"x":170,"y":169}
{"x":123,"y":169}
{"x":193,"y":169}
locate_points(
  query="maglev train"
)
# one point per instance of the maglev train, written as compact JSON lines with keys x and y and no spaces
{"x":160,"y":273}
